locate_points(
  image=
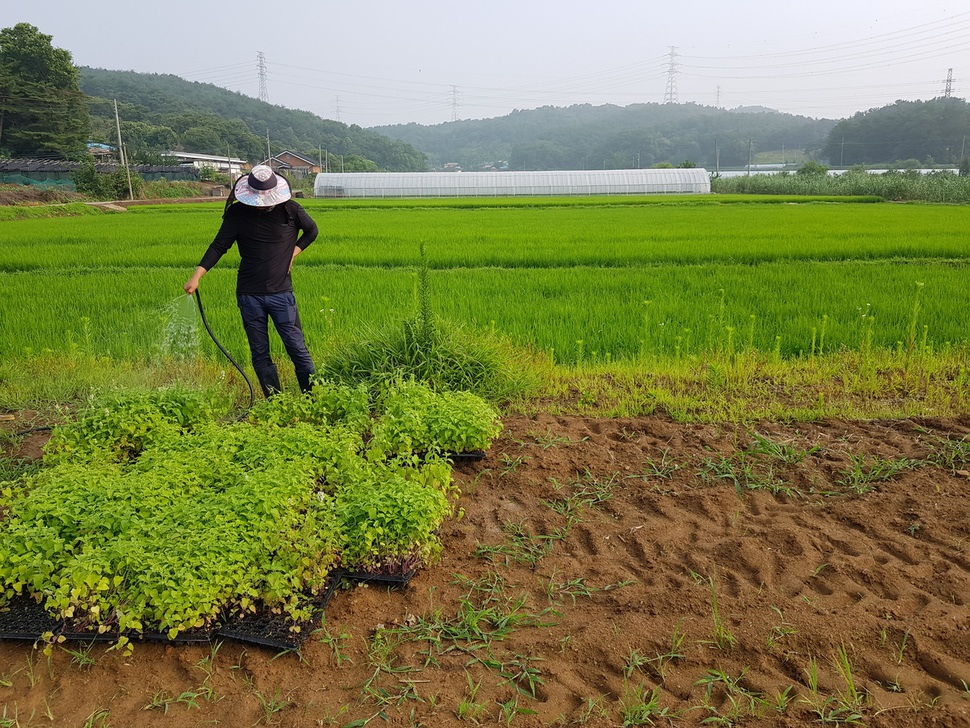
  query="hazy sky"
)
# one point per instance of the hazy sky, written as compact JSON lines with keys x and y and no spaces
{"x":372,"y":62}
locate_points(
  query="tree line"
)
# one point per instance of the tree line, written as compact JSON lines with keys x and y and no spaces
{"x":50,"y":107}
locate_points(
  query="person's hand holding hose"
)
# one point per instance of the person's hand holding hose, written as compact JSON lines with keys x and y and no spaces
{"x":192,"y":284}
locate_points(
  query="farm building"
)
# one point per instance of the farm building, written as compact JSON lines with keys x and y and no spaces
{"x":511,"y":184}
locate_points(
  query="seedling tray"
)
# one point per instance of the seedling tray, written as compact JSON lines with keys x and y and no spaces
{"x":366,"y":577}
{"x":275,"y":630}
{"x":25,"y":619}
{"x":466,"y":457}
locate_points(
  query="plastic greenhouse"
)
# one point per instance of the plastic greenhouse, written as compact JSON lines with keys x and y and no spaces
{"x":511,"y":184}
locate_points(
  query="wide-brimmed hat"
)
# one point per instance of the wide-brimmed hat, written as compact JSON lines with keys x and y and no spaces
{"x":262,"y":187}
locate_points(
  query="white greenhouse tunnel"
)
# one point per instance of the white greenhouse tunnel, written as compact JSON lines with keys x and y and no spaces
{"x":512,"y":184}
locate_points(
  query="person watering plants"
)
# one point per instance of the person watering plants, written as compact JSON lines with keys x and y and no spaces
{"x":271,"y":230}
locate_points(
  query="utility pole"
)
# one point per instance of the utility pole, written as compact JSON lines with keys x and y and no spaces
{"x":269,"y":154}
{"x":261,"y":69}
{"x":670,"y":93}
{"x":122,"y":157}
{"x":749,"y":157}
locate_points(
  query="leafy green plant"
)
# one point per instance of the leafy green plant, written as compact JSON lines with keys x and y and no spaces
{"x":413,"y":418}
{"x":326,"y":404}
{"x":120,"y":425}
{"x":389,"y":517}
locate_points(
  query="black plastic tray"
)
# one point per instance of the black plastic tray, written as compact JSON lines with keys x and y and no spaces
{"x":366,"y":577}
{"x":275,"y":630}
{"x":25,"y":619}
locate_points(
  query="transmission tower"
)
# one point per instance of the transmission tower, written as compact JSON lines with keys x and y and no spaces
{"x":670,"y":93}
{"x":717,"y":97}
{"x":261,"y":69}
{"x":949,"y":84}
{"x":336,"y":108}
{"x":454,"y":103}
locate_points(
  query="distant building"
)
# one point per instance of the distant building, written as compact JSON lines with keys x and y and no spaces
{"x":294,"y":164}
{"x":231,"y":166}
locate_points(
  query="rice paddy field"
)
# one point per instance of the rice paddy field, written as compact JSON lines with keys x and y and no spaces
{"x":605,"y":280}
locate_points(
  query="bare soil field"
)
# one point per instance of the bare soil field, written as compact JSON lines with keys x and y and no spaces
{"x":609,"y":572}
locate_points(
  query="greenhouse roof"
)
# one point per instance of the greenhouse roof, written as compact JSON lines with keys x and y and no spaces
{"x":507,"y":184}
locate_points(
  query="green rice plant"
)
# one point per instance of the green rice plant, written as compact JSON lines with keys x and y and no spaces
{"x":584,"y":275}
{"x":337,"y":643}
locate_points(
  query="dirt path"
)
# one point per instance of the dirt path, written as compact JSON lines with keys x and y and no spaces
{"x":597,"y":561}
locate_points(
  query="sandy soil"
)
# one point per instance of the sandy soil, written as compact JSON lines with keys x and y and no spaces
{"x":599,"y":560}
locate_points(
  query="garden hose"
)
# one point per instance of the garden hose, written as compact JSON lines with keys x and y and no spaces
{"x":205,"y":322}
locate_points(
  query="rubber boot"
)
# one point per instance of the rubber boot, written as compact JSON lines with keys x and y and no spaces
{"x":269,"y":380}
{"x":304,"y":379}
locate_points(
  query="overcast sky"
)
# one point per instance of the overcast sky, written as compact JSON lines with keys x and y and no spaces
{"x":373,"y":62}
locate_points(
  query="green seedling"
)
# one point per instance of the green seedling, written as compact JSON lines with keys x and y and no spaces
{"x":547,"y":439}
{"x":664,"y":468}
{"x":658,"y":662}
{"x":520,"y":673}
{"x":511,"y":464}
{"x":949,"y":453}
{"x":641,"y":706}
{"x":160,"y":700}
{"x":522,"y":547}
{"x":271,"y":705}
{"x":780,"y":631}
{"x":740,"y":701}
{"x":81,"y":658}
{"x":510,"y":709}
{"x":592,"y":709}
{"x":97,"y":719}
{"x":866,"y":471}
{"x":468,"y":709}
{"x":336,"y":643}
{"x":721,"y":637}
{"x":779,"y":450}
{"x":556,"y":590}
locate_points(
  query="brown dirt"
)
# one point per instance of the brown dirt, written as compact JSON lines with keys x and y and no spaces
{"x":884,"y":574}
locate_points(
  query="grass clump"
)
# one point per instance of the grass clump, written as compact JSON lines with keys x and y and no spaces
{"x":444,"y":356}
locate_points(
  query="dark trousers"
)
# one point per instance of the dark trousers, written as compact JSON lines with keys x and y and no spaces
{"x":281,"y":308}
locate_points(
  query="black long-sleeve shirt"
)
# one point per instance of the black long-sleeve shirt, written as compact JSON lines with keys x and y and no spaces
{"x":266,"y":241}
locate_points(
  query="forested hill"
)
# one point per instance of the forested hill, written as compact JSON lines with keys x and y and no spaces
{"x":616,"y":137}
{"x":160,"y":112}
